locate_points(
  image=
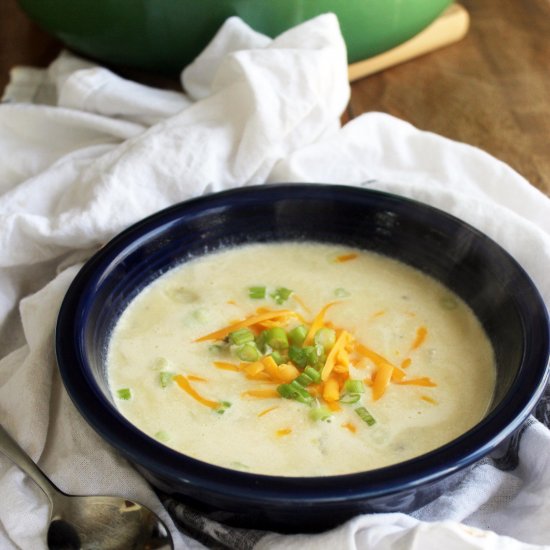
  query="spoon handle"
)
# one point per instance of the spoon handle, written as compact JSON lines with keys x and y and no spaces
{"x":18,"y":456}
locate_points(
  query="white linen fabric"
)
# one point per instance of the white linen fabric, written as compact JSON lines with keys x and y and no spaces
{"x":84,"y":153}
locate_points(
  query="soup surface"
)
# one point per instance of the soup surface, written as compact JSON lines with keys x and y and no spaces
{"x":300,"y":359}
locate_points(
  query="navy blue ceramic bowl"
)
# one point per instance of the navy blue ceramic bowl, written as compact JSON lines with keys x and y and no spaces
{"x":472,"y":265}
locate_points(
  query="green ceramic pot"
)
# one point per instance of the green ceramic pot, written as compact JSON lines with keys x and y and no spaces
{"x":165,"y":35}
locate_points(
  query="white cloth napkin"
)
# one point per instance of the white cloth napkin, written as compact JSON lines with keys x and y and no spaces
{"x":84,"y":153}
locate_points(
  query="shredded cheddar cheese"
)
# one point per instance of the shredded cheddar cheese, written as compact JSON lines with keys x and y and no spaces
{"x":184,"y":384}
{"x":350,"y":426}
{"x":226,"y":366}
{"x":249,"y":321}
{"x":421,"y":335}
{"x":263,"y":393}
{"x":334,"y":370}
{"x":267,"y":411}
{"x":346,"y":257}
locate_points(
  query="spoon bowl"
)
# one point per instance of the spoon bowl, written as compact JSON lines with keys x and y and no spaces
{"x":102,"y":522}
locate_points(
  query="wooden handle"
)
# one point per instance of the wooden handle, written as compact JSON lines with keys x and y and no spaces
{"x":451,"y":26}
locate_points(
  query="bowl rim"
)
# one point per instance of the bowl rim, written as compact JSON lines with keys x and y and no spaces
{"x":164,"y":462}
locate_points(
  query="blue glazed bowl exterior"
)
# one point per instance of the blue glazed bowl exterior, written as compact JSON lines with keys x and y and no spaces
{"x":477,"y":269}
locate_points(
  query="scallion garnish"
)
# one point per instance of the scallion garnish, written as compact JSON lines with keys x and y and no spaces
{"x":165,"y":378}
{"x":349,"y":398}
{"x":162,"y":436}
{"x":124,"y":393}
{"x":448,"y":302}
{"x":297,"y":356}
{"x":182,"y":295}
{"x":325,"y":337}
{"x":224,"y":405}
{"x":309,"y":376}
{"x":260,"y":342}
{"x":281,"y":294}
{"x":241,"y":336}
{"x":352,"y":391}
{"x":200,"y":315}
{"x":215,"y":348}
{"x":303,"y":379}
{"x":365,"y":416}
{"x":313,"y":354}
{"x":297,"y":335}
{"x":256,"y":292}
{"x":276,"y":338}
{"x":354,"y":386}
{"x":160,"y":363}
{"x":320,"y":413}
{"x":278,"y":358}
{"x":248,"y":352}
{"x":239,"y":465}
{"x":314,"y":374}
{"x":341,"y":293}
{"x":295,"y":391}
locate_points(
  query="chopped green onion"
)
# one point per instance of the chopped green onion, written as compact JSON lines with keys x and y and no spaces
{"x":224,"y":405}
{"x":341,"y":293}
{"x":349,"y":398}
{"x":256,"y":292}
{"x":165,"y":378}
{"x":365,"y":416}
{"x":281,"y":294}
{"x":295,"y":391}
{"x":260,"y":342}
{"x":239,"y":465}
{"x":215,"y":348}
{"x":313,"y":354}
{"x":241,"y":336}
{"x":200,"y":315}
{"x":303,"y":379}
{"x":354,"y":386}
{"x":286,"y":391}
{"x":182,"y":295}
{"x":353,"y":390}
{"x":320,"y":413}
{"x":162,"y":436}
{"x":276,"y":338}
{"x":160,"y":363}
{"x":307,"y":377}
{"x":325,"y":337}
{"x":124,"y":393}
{"x":297,"y":356}
{"x":248,"y":352}
{"x":448,"y":302}
{"x":297,"y":335}
{"x":314,"y":374}
{"x":278,"y":358}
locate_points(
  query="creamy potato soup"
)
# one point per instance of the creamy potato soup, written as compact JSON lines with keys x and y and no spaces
{"x":300,"y":359}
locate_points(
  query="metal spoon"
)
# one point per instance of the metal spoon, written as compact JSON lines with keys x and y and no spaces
{"x":91,"y":522}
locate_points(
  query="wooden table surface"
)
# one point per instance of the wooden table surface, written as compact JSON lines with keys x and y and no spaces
{"x":491,"y":89}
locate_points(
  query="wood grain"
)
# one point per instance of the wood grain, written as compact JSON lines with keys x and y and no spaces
{"x":22,"y":42}
{"x":491,"y":90}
